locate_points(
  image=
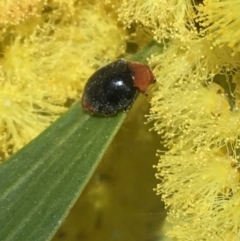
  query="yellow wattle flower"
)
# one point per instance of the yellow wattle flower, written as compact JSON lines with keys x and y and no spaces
{"x":195,"y":108}
{"x":219,"y":21}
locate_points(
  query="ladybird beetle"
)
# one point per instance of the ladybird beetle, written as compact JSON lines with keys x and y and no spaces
{"x":114,"y":87}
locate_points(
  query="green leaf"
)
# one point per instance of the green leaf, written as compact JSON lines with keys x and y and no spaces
{"x":46,"y":177}
{"x":41,"y":182}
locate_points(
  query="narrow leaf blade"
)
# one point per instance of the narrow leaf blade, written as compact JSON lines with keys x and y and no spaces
{"x":36,"y":192}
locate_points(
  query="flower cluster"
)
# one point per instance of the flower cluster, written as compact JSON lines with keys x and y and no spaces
{"x":47,"y":50}
{"x":195,"y":107}
{"x":49,"y":47}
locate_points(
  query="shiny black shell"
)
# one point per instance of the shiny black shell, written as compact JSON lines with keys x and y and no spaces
{"x":109,"y":89}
